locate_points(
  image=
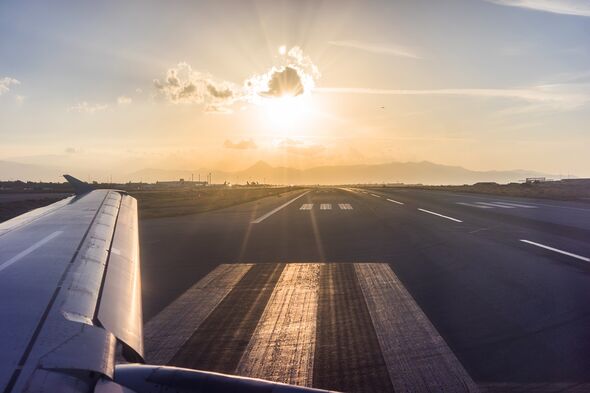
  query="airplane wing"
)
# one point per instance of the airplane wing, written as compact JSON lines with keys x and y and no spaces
{"x":69,"y":291}
{"x":70,"y":298}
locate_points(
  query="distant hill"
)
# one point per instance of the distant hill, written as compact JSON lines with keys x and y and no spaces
{"x":403,"y":172}
{"x":17,"y":171}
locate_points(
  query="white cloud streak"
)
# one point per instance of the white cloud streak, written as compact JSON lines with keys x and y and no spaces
{"x":564,"y":7}
{"x":386,"y":49}
{"x":5,"y":84}
{"x":550,"y":95}
{"x":85,"y":107}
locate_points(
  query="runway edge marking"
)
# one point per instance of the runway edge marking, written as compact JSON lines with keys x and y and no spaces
{"x":417,"y":357}
{"x":283,"y":344}
{"x":273,"y":211}
{"x":167,"y":332}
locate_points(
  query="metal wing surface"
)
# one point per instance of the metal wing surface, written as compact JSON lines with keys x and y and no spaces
{"x":69,"y":291}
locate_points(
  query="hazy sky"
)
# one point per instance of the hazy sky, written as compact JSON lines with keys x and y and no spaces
{"x":498,"y":84}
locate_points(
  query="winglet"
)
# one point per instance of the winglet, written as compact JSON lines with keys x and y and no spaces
{"x":79,"y":186}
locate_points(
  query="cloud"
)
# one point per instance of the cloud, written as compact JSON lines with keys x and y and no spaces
{"x":564,"y":7}
{"x":552,"y":96}
{"x":5,"y":84}
{"x":183,"y":85}
{"x":219,"y":93}
{"x":293,"y":74}
{"x":124,"y":100}
{"x":300,"y":148}
{"x":376,"y":48}
{"x":70,"y":150}
{"x":244,"y":144}
{"x":85,"y":107}
{"x":285,"y":82}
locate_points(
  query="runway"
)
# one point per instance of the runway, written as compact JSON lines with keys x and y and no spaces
{"x":504,"y":281}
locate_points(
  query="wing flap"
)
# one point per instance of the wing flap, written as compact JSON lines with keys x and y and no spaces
{"x":120,"y":304}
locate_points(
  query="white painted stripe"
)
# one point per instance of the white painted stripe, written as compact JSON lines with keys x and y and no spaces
{"x":29,"y":250}
{"x":417,"y":358}
{"x":394,"y":201}
{"x":345,"y":206}
{"x":283,"y":345}
{"x":516,"y":205}
{"x":495,"y":205}
{"x":168,"y":331}
{"x":326,"y":206}
{"x":375,"y":195}
{"x":569,"y":254}
{"x":440,"y":215}
{"x":306,"y":206}
{"x":474,"y":205}
{"x":273,"y":211}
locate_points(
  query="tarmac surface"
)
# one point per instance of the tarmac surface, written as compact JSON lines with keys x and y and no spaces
{"x":505,"y":282}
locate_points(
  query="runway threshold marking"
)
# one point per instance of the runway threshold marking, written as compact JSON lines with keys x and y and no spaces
{"x":474,"y":205}
{"x":376,"y":196}
{"x":273,"y":211}
{"x":439,"y":215}
{"x":570,"y":254}
{"x":326,"y":206}
{"x":407,"y":338}
{"x":515,"y":205}
{"x":345,"y":206}
{"x":394,"y":201}
{"x":167,"y":332}
{"x":286,"y":331}
{"x":495,"y":205}
{"x":306,"y":206}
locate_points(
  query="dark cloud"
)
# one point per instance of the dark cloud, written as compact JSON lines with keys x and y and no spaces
{"x":219,"y":93}
{"x":240,"y":145}
{"x":284,"y":82}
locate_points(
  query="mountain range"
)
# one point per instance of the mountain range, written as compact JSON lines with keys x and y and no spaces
{"x":394,"y":172}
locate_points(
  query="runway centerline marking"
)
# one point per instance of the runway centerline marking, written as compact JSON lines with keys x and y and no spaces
{"x":439,"y":215}
{"x":569,"y":254}
{"x":394,"y":201}
{"x":29,"y":250}
{"x":273,"y":211}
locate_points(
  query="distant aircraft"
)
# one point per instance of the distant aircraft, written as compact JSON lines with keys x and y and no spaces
{"x":70,"y":304}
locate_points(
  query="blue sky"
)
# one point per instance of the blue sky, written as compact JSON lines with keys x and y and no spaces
{"x":484,"y":84}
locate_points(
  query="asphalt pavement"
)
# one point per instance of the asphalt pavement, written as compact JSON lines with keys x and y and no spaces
{"x":505,"y":281}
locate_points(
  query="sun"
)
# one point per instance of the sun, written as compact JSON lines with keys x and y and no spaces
{"x":286,"y":114}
